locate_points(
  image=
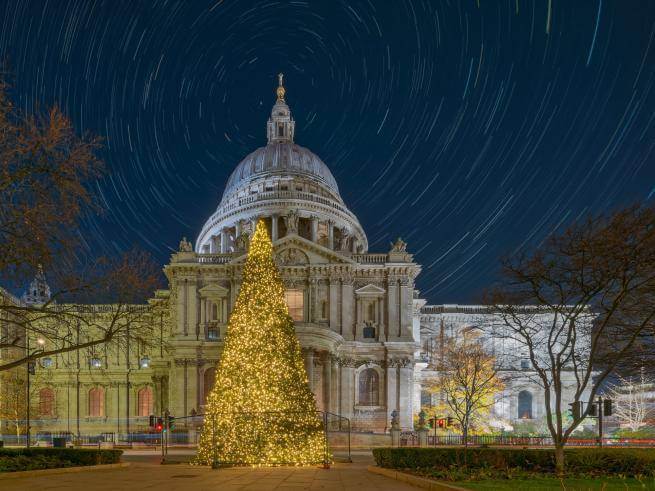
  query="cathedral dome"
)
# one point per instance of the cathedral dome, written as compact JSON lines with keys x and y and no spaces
{"x":280,"y":159}
{"x":290,"y":188}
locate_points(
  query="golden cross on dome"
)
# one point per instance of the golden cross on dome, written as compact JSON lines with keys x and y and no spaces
{"x":280,"y":89}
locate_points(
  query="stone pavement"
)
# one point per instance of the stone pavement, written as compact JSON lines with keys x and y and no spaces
{"x":142,"y":475}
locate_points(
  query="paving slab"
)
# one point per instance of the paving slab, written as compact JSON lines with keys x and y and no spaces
{"x":144,"y":476}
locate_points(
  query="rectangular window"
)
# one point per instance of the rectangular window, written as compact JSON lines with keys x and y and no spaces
{"x":295,"y":302}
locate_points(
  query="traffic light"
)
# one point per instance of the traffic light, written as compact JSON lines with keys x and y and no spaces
{"x":442,"y":423}
{"x":607,"y":407}
{"x":171,"y":422}
{"x":152,"y":421}
{"x":449,"y":421}
{"x":576,"y":409}
{"x":432,"y":422}
{"x":160,"y":424}
{"x":593,"y":410}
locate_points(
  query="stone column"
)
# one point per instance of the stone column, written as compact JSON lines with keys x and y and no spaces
{"x":224,"y":239}
{"x":405,"y":400}
{"x":238,"y":228}
{"x":334,"y":394}
{"x":327,"y":380}
{"x":347,"y":309}
{"x":347,"y":389}
{"x":314,"y":221}
{"x":313,"y":300}
{"x":391,"y":379}
{"x":330,"y":227}
{"x":406,"y":309}
{"x":393,"y":317}
{"x":215,"y":244}
{"x":334,"y":304}
{"x":274,"y":224}
{"x":380,"y":319}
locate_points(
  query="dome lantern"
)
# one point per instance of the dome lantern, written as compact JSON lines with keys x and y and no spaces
{"x":281,"y":126}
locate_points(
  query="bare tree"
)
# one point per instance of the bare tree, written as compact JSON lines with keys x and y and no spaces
{"x":467,"y":381}
{"x":47,"y":177}
{"x":578,"y":306}
{"x":631,"y":401}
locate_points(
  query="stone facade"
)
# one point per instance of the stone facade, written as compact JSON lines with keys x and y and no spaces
{"x":366,"y":335}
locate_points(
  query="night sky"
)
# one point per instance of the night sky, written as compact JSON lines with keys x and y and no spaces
{"x":470,"y":128}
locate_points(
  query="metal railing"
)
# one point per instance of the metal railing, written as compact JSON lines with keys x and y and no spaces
{"x":336,"y":432}
{"x":410,"y":439}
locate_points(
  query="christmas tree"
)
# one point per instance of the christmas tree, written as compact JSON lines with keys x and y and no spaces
{"x":261,"y":410}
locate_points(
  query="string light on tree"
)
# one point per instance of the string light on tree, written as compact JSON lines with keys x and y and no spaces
{"x":261,"y":410}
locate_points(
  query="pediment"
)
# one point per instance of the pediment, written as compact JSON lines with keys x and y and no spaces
{"x":293,"y":250}
{"x":370,"y":290}
{"x":213,"y":291}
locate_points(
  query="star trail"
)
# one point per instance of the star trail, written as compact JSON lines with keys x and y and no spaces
{"x":471,"y":128}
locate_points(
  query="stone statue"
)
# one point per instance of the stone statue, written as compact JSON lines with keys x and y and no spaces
{"x":291,"y":257}
{"x":343,"y":242}
{"x":292,"y":222}
{"x":185,"y":245}
{"x":395,"y":420}
{"x":399,"y":246}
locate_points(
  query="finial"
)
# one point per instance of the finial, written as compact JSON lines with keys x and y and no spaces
{"x":280,"y":89}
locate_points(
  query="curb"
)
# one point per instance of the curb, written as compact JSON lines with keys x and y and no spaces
{"x":61,"y":470}
{"x":420,"y":482}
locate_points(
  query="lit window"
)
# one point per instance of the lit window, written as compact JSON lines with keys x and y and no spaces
{"x":145,"y":401}
{"x":525,"y":405}
{"x":96,"y":403}
{"x":295,"y":302}
{"x":46,"y":362}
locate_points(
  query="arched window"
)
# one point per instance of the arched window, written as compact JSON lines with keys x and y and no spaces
{"x":96,"y":402}
{"x":46,"y":402}
{"x":144,"y":398}
{"x":369,"y":388}
{"x":525,"y":405}
{"x":208,"y":381}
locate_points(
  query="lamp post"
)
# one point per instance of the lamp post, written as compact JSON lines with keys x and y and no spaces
{"x":30,"y":371}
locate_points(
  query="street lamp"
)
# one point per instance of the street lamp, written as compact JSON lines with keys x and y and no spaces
{"x":31,"y":370}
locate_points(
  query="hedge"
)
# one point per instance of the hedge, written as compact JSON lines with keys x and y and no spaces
{"x":25,"y":459}
{"x":600,"y":461}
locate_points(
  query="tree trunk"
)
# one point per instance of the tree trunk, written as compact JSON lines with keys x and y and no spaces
{"x":559,"y":459}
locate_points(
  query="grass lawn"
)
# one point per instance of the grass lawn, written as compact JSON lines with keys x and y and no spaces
{"x":568,"y":484}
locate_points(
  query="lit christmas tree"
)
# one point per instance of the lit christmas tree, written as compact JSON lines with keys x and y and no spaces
{"x":261,"y":410}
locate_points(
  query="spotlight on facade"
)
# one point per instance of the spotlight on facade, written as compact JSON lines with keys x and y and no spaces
{"x":144,"y":362}
{"x":95,"y":363}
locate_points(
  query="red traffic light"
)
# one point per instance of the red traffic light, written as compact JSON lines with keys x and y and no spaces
{"x":442,"y":423}
{"x":159,"y":427}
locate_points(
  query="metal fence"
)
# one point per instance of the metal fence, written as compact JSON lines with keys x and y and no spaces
{"x":411,"y":439}
{"x":336,"y":430}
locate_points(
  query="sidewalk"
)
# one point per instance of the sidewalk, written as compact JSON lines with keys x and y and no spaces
{"x":142,"y":476}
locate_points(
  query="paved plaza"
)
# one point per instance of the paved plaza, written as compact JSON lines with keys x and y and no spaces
{"x":145,"y":472}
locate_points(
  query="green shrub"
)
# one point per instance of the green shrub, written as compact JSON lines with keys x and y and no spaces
{"x":24,"y":459}
{"x":597,"y":461}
